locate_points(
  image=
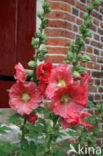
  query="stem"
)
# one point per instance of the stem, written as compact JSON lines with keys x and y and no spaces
{"x":52,"y":137}
{"x":23,"y":130}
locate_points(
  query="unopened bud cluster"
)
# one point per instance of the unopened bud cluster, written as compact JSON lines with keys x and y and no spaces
{"x":74,"y":54}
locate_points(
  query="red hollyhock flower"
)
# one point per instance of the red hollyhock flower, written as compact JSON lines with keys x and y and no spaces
{"x":32,"y":118}
{"x":60,"y":77}
{"x":20,"y":75}
{"x":43,"y":71}
{"x":71,"y":99}
{"x":76,"y":119}
{"x":24,"y":97}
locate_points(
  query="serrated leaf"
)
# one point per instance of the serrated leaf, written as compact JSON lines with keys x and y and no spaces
{"x":15,"y":119}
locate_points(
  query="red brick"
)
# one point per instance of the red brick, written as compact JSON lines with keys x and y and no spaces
{"x":61,"y":15}
{"x":100,"y":31}
{"x":96,"y":44}
{"x":90,"y":82}
{"x":101,"y":25}
{"x":92,"y":89}
{"x":59,"y":24}
{"x":93,"y":58}
{"x":93,"y":28}
{"x":79,"y":21}
{"x":100,"y":60}
{"x":75,"y":28}
{"x":56,"y":50}
{"x":59,"y":33}
{"x":60,"y":6}
{"x":96,"y":37}
{"x":96,"y":51}
{"x":67,"y":1}
{"x":101,"y":10}
{"x":96,"y":66}
{"x":89,"y":49}
{"x":97,"y":97}
{"x":96,"y":74}
{"x":96,"y":22}
{"x":97,"y":82}
{"x":97,"y":15}
{"x":80,"y":6}
{"x":55,"y":59}
{"x":58,"y":42}
{"x":101,"y":90}
{"x":75,"y":11}
{"x":96,"y":8}
{"x":89,"y":65}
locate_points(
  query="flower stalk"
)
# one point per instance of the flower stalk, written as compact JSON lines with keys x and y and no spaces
{"x":39,"y":39}
{"x":23,"y":131}
{"x":74,"y":54}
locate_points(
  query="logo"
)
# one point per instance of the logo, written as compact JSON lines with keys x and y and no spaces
{"x":84,"y":150}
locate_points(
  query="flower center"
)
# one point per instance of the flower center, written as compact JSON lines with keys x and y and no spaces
{"x":65,"y":98}
{"x":25,"y":97}
{"x":62,"y":83}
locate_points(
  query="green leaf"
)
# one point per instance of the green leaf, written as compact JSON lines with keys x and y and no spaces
{"x":90,"y":104}
{"x":1,"y":113}
{"x":7,"y":148}
{"x":4,"y":129}
{"x":15,"y":119}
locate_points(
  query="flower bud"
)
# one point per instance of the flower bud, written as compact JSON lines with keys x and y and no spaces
{"x":37,"y":34}
{"x":80,"y":41}
{"x":31,"y":64}
{"x":85,"y":58}
{"x":79,"y":56}
{"x":44,"y":50}
{"x":89,"y":23}
{"x":76,"y":74}
{"x":88,"y":33}
{"x":97,"y":2}
{"x":81,"y":70}
{"x":90,"y":7}
{"x":34,"y":43}
{"x":70,"y":55}
{"x":85,"y":16}
{"x":83,"y":28}
{"x":32,"y":118}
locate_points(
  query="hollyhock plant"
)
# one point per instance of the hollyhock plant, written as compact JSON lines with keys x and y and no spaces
{"x":70,"y":99}
{"x":24,"y":97}
{"x":44,"y":71}
{"x":75,"y":119}
{"x":20,"y":75}
{"x":32,"y":118}
{"x":65,"y":86}
{"x":60,"y":77}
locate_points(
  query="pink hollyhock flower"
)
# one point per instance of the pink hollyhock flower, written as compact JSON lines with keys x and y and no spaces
{"x":32,"y":118}
{"x":76,"y":119}
{"x":24,"y":97}
{"x":71,"y":99}
{"x":44,"y":71}
{"x":60,"y":77}
{"x":20,"y":73}
{"x":42,"y":87}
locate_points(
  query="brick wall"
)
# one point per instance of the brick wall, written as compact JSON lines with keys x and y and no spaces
{"x":63,"y":28}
